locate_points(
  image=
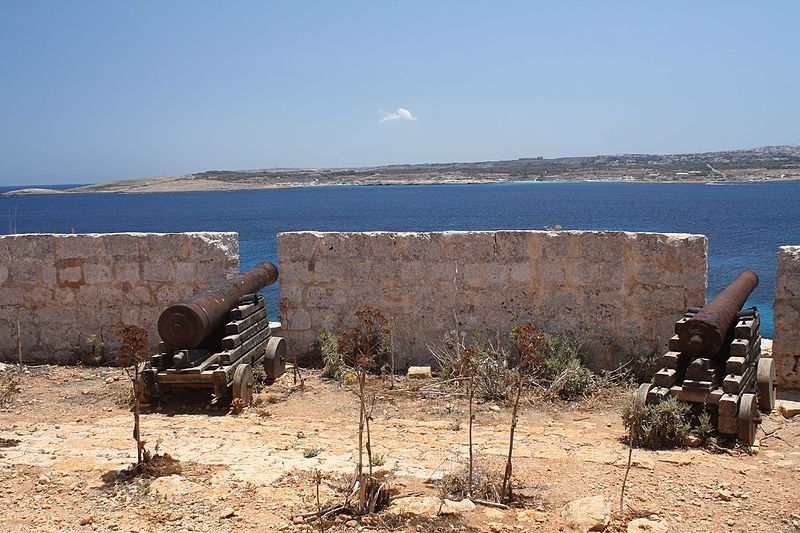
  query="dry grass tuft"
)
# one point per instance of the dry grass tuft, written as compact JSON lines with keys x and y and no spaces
{"x":9,"y":443}
{"x":9,"y":387}
{"x":151,"y":467}
{"x":486,"y":484}
{"x":237,"y":406}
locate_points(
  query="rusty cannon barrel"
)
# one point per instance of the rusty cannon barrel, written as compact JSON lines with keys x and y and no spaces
{"x":705,"y":332}
{"x":185,"y":325}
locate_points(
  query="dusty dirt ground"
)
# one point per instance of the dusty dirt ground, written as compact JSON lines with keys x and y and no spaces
{"x":66,"y":435}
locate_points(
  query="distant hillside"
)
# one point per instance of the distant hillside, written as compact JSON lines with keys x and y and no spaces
{"x":771,"y":162}
{"x":766,"y":163}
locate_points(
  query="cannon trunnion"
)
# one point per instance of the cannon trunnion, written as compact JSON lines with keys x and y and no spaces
{"x":215,"y":339}
{"x":714,"y":363}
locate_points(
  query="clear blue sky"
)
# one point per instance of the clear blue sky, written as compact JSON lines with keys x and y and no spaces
{"x":98,"y":90}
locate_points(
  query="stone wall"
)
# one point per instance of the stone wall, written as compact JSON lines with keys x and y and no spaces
{"x":786,"y":339}
{"x":64,"y":293}
{"x":620,"y":292}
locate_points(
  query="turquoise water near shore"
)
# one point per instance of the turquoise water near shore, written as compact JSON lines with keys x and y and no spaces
{"x":745,"y":222}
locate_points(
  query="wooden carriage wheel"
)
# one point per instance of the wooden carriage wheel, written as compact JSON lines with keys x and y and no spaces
{"x":748,"y":418}
{"x":275,"y":358}
{"x":765,"y":379}
{"x":243,"y":382}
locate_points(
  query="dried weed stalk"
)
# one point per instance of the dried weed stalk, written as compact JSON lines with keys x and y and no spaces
{"x":528,"y":342}
{"x":363,"y":348}
{"x":9,"y":387}
{"x":133,"y":351}
{"x":288,"y":308}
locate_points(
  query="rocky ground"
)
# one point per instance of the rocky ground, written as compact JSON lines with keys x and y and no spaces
{"x":65,"y":440}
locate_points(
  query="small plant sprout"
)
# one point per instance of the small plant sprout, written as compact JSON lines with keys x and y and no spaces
{"x":310,"y":453}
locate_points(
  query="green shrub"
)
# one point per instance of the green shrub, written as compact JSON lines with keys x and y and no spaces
{"x":329,"y":349}
{"x":260,"y":378}
{"x":642,"y":367}
{"x":705,"y":430}
{"x":494,"y":376}
{"x":90,"y":350}
{"x":563,"y":370}
{"x":665,"y":424}
{"x":556,"y":365}
{"x":576,"y":381}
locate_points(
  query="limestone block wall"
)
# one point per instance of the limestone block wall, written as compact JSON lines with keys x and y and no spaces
{"x":786,"y":338}
{"x":621,"y":292}
{"x":57,"y":291}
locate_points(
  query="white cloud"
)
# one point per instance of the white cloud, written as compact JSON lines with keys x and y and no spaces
{"x":401,"y":114}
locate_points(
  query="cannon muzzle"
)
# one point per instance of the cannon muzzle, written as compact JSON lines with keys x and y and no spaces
{"x":185,"y":325}
{"x":705,"y":333}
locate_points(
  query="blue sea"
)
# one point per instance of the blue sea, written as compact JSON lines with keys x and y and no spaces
{"x":745,"y":222}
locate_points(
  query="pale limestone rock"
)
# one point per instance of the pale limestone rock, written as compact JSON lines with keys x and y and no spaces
{"x":724,"y":495}
{"x":789,"y":409}
{"x":647,"y":525}
{"x":493,"y":514}
{"x":643,"y":462}
{"x":419,"y":372}
{"x":587,"y":514}
{"x":457,"y":507}
{"x":416,"y":505}
{"x":531,"y":517}
{"x":174,"y":485}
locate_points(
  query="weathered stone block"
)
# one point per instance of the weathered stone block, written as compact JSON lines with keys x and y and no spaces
{"x":29,"y":245}
{"x":127,"y":272}
{"x":171,"y":294}
{"x":172,"y":247}
{"x":123,"y":245}
{"x":23,"y":270}
{"x":10,"y":296}
{"x":48,"y":274}
{"x":71,"y":276}
{"x":215,"y":247}
{"x":86,"y":246}
{"x":184,"y":272}
{"x":94,"y":273}
{"x":159,"y":271}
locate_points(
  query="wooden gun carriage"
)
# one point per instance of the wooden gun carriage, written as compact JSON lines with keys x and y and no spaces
{"x":714,"y":363}
{"x":214,"y":339}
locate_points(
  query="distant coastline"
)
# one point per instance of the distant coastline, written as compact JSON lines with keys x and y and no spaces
{"x":766,"y":164}
{"x":193,"y":187}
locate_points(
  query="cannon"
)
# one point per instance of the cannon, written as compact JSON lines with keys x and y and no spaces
{"x":706,"y":331}
{"x":189,"y":323}
{"x":215,"y":339}
{"x":714,"y":363}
